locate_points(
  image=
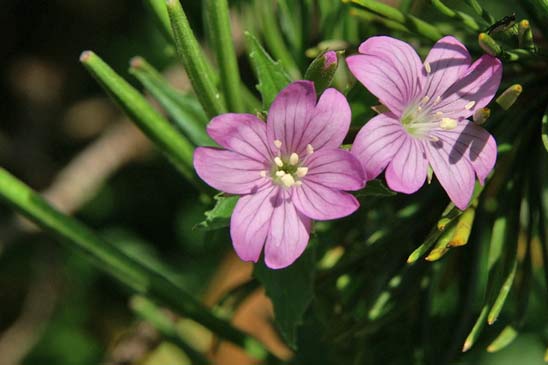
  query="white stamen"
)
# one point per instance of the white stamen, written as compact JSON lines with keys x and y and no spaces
{"x":288,"y":180}
{"x":438,"y":114}
{"x":438,"y":99}
{"x":298,"y":183}
{"x":470,"y":105}
{"x":280,"y":173}
{"x":448,"y":123}
{"x":419,"y":108}
{"x":425,"y":100}
{"x":263,"y":173}
{"x":277,"y":143}
{"x":427,"y":67}
{"x":278,"y":161}
{"x":293,"y":159}
{"x":302,"y":171}
{"x":309,"y":149}
{"x":433,"y":138}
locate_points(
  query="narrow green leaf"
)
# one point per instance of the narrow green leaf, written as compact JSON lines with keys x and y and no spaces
{"x":375,"y":188}
{"x":176,"y":147}
{"x":109,"y":258}
{"x":545,"y":129}
{"x":505,"y":337}
{"x":273,"y":37}
{"x":480,"y":11}
{"x":219,"y":216}
{"x":218,"y":19}
{"x":271,"y":75}
{"x":291,"y":291}
{"x":411,"y":22}
{"x":159,"y":9}
{"x":502,"y":294}
{"x":458,"y":16}
{"x":186,"y":112}
{"x":159,"y":319}
{"x":194,"y":60}
{"x":476,"y":330}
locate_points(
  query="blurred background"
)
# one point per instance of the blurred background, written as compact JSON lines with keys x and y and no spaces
{"x":60,"y":134}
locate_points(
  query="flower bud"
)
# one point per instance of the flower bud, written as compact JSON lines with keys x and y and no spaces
{"x":489,"y":45}
{"x":509,"y":96}
{"x":481,"y":115}
{"x":525,"y":35}
{"x":322,"y":70}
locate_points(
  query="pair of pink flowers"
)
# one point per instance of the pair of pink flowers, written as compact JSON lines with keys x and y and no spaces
{"x":291,"y":170}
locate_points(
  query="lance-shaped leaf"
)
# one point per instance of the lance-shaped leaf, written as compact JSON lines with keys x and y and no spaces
{"x":194,"y":60}
{"x":218,"y":21}
{"x":158,"y":8}
{"x":271,"y":75}
{"x":505,"y":337}
{"x":109,"y":258}
{"x":219,"y":216}
{"x":186,"y":112}
{"x":291,"y":291}
{"x":170,"y":142}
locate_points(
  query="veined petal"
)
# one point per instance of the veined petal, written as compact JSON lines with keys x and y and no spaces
{"x":328,"y":124}
{"x":447,"y":61}
{"x":229,"y":171}
{"x":337,"y":169}
{"x":242,"y":133}
{"x":473,"y":143}
{"x":377,"y":143}
{"x":250,"y":223}
{"x":320,"y":202}
{"x":456,"y":176}
{"x":473,"y":90}
{"x":288,"y":235}
{"x":390,"y":69}
{"x":407,"y":171}
{"x":289,"y":113}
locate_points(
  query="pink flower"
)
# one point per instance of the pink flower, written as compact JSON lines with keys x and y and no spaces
{"x":429,"y":104}
{"x":288,"y":171}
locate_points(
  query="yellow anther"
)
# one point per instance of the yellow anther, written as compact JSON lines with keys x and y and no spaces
{"x":309,"y":149}
{"x":427,"y":67}
{"x":293,"y":159}
{"x":470,"y":105}
{"x":302,"y":171}
{"x":278,"y":161}
{"x":425,"y":100}
{"x":448,"y":123}
{"x":287,"y":180}
{"x":263,"y":173}
{"x":437,"y":100}
{"x":277,"y":143}
{"x":280,"y":173}
{"x":438,"y":114}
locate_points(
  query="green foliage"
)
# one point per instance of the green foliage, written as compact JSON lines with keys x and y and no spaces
{"x":219,"y":216}
{"x":291,"y":291}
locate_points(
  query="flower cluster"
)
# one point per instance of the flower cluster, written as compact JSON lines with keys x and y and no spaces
{"x":291,"y":169}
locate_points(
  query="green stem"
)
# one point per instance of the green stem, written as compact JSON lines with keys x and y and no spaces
{"x":158,"y":8}
{"x":480,"y":11}
{"x":194,"y":60}
{"x":415,"y":24}
{"x":176,"y":147}
{"x":466,"y":19}
{"x":141,"y":279}
{"x":221,"y":36}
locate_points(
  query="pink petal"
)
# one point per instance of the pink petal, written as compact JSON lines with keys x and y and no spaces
{"x":323,"y":203}
{"x":456,"y":175}
{"x":288,"y":235}
{"x":474,"y":89}
{"x":328,"y":125}
{"x":390,"y":69}
{"x":407,"y":171}
{"x":250,"y":223}
{"x":473,"y":143}
{"x":242,"y":133}
{"x":337,"y":169}
{"x":229,"y":171}
{"x":289,"y":113}
{"x":377,"y":143}
{"x":448,"y":60}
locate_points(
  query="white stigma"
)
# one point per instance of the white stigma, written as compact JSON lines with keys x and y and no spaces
{"x":263,"y":173}
{"x":293,"y":159}
{"x":448,"y":123}
{"x":277,"y":143}
{"x":280,"y":173}
{"x":287,"y":180}
{"x":302,"y":171}
{"x":278,"y":161}
{"x":427,"y":67}
{"x":309,"y":149}
{"x":470,"y":105}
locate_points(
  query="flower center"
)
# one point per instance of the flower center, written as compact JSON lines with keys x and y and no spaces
{"x":287,"y":170}
{"x":419,"y":119}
